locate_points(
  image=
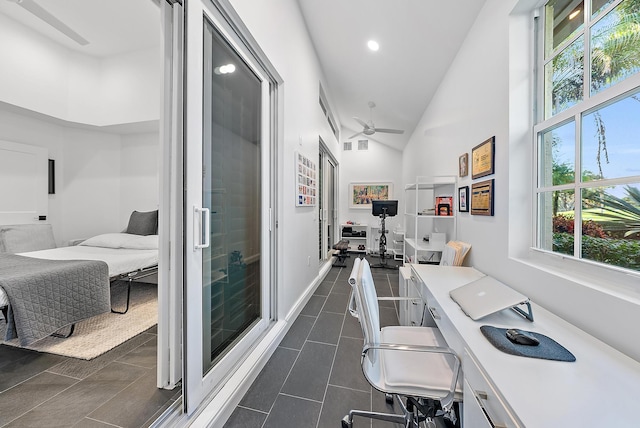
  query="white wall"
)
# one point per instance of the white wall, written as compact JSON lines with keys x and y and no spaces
{"x":40,"y":75}
{"x":479,"y":98}
{"x":284,"y":39}
{"x":100,"y":177}
{"x":58,"y":98}
{"x":139,"y":174}
{"x":380,"y":163}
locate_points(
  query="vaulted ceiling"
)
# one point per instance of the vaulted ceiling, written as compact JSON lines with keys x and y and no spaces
{"x":111,"y":27}
{"x":418,"y":41}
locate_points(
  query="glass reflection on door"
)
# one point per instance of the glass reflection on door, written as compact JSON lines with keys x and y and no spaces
{"x":231,"y":191}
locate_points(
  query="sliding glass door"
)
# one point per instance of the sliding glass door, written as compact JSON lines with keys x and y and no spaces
{"x":327,"y":206}
{"x":227,"y":202}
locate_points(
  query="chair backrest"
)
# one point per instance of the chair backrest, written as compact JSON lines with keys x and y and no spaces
{"x":366,"y":300}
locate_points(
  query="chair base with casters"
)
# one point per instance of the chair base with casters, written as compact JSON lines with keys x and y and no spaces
{"x":412,"y":365}
{"x":415,"y":413}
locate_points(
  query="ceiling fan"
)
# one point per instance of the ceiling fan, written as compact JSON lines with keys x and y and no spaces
{"x":370,"y":128}
{"x":47,"y":17}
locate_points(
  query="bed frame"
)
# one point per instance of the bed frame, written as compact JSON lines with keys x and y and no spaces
{"x":130,"y":277}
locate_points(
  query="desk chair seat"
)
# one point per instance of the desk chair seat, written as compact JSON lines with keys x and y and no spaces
{"x":413,"y":363}
{"x":434,"y":380}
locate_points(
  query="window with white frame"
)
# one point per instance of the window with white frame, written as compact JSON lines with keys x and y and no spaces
{"x":324,"y":105}
{"x":588,"y":131}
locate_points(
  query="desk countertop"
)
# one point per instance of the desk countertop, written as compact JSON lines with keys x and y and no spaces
{"x":600,"y":389}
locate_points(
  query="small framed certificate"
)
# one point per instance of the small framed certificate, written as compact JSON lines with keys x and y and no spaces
{"x":483,"y":159}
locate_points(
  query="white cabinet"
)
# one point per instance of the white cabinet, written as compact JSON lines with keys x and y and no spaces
{"x":411,"y":310}
{"x":428,"y":227}
{"x":357,"y":235}
{"x":404,"y":276}
{"x":483,"y":406}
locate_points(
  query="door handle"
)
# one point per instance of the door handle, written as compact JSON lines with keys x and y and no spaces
{"x":201,"y":219}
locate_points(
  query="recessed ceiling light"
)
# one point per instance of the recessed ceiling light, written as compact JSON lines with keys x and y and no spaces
{"x":225,"y":69}
{"x":373,"y":45}
{"x":575,"y":13}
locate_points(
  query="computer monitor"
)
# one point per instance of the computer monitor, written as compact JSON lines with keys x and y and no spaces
{"x":378,"y":208}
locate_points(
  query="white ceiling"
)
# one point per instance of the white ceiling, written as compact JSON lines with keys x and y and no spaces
{"x":418,"y":40}
{"x":112,"y":27}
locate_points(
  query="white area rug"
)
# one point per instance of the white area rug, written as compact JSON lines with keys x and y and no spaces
{"x":97,"y":335}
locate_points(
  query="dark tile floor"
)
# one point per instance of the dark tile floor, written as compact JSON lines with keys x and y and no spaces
{"x":314,"y":377}
{"x":116,"y":389}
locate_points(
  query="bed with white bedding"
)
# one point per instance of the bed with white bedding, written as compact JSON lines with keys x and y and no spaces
{"x":127,"y":256}
{"x":122,"y":252}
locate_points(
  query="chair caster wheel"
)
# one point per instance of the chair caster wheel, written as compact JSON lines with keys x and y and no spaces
{"x":346,"y":423}
{"x":388,"y":398}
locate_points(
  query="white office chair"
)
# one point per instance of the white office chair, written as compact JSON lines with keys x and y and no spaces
{"x":401,"y":361}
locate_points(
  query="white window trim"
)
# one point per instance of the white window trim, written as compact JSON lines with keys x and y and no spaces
{"x":612,"y":280}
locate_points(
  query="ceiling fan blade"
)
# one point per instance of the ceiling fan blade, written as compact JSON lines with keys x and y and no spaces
{"x":390,"y":131}
{"x":47,"y":17}
{"x":361,"y":122}
{"x":355,"y":135}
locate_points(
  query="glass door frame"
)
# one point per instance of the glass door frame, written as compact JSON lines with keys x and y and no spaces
{"x":197,"y":386}
{"x":328,"y":161}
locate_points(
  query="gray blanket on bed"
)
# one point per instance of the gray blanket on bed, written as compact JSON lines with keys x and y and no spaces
{"x":46,"y":295}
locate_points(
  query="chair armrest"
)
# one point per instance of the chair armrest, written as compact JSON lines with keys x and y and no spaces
{"x":447,"y":401}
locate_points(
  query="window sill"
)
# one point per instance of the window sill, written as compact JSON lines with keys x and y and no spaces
{"x":613,"y":281}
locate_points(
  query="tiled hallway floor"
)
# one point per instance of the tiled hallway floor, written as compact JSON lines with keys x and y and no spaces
{"x":116,"y":389}
{"x":314,"y":377}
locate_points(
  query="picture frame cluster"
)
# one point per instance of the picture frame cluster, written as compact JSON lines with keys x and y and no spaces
{"x":479,"y":199}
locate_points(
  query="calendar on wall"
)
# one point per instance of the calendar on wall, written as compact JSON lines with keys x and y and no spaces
{"x":306,"y":178}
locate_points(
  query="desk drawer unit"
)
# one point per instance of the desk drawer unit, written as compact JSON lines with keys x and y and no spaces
{"x":482,"y":406}
{"x":442,"y":321}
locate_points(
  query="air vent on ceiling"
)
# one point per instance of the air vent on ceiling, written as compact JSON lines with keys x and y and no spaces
{"x":347,"y":145}
{"x":363,"y":144}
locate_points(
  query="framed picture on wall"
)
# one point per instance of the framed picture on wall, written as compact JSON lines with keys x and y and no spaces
{"x":306,"y":185}
{"x":463,"y":165}
{"x":361,"y":194}
{"x":483,"y":158}
{"x":482,"y":198}
{"x":463,"y":199}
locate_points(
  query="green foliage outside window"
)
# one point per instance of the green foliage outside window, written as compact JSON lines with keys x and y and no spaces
{"x":605,"y":185}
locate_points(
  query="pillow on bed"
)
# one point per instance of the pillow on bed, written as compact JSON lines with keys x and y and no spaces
{"x":123,"y":240}
{"x":148,"y":242}
{"x":143,"y":223}
{"x":110,"y":240}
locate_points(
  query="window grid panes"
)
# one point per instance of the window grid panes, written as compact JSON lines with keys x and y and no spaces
{"x":588,"y":165}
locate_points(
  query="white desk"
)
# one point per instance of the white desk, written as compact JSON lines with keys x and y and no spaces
{"x":600,"y":389}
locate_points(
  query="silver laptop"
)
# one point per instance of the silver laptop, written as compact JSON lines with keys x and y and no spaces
{"x":485,"y":296}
